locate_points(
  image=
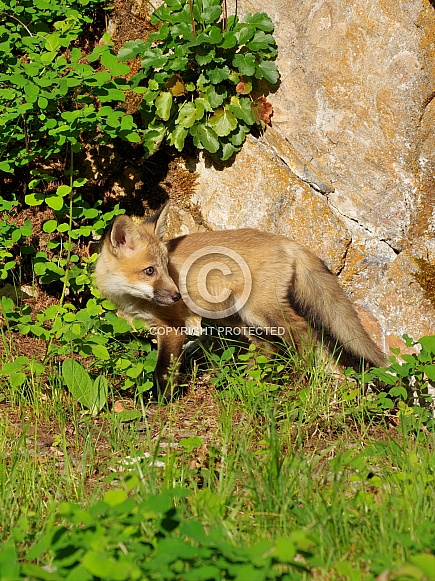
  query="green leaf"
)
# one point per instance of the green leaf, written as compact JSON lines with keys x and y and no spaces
{"x":260,"y":41}
{"x":244,"y":34}
{"x":115,"y":497}
{"x":99,"y":564}
{"x":99,"y":394}
{"x":17,"y":379}
{"x":48,"y":57}
{"x":238,"y":136}
{"x":428,"y":343}
{"x":78,"y":381}
{"x":229,"y":39}
{"x":127,"y":122}
{"x":120,"y":70}
{"x":75,"y":55}
{"x":131,"y":49}
{"x":32,"y":91}
{"x":223,"y":122}
{"x":163,"y":105}
{"x":63,"y":190}
{"x":205,"y":137}
{"x":92,"y":395}
{"x":50,"y":226}
{"x":285,"y":550}
{"x":204,"y":56}
{"x":6,"y":167}
{"x":131,"y":136}
{"x":9,"y":566}
{"x":213,"y":35}
{"x":16,"y":235}
{"x":426,"y":563}
{"x":228,"y":150}
{"x":191,"y":443}
{"x":153,"y":59}
{"x":218,"y":74}
{"x":153,"y":137}
{"x":54,"y":202}
{"x":177,"y":137}
{"x":42,"y":102}
{"x":242,"y":109}
{"x":100,"y":352}
{"x":211,"y":13}
{"x":187,"y":115}
{"x":34,"y":199}
{"x":216,"y":95}
{"x":429,"y":370}
{"x":201,"y":102}
{"x":245,"y":64}
{"x":267,"y":70}
{"x":259,"y":20}
{"x":108,"y":59}
{"x":107,"y":95}
{"x":128,"y":415}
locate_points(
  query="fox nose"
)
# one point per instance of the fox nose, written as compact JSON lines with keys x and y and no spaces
{"x":176,"y":297}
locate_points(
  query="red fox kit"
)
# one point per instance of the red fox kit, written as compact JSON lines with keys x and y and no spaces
{"x":256,"y":283}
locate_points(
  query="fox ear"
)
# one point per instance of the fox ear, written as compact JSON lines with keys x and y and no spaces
{"x":123,"y":234}
{"x":158,"y":221}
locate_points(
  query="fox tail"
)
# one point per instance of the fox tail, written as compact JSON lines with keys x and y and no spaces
{"x":317,"y":296}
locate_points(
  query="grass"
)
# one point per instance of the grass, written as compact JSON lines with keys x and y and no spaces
{"x":264,"y":449}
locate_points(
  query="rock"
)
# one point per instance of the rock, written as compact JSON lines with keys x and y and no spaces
{"x":273,"y":198}
{"x":348,"y":168}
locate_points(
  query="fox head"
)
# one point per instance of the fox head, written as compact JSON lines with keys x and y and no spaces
{"x":134,"y":262}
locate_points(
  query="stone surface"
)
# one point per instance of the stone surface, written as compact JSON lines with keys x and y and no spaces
{"x":349,"y":166}
{"x":272,"y":198}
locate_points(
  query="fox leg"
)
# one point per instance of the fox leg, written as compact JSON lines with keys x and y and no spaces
{"x":169,"y":348}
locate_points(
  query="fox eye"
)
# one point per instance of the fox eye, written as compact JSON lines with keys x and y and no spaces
{"x":150,"y":270}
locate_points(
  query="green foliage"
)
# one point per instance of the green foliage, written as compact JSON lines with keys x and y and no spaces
{"x":54,"y":98}
{"x":197,"y":75}
{"x":404,"y":384}
{"x":96,"y":334}
{"x":118,"y":539}
{"x":91,"y":394}
{"x":10,"y":235}
{"x":49,"y":90}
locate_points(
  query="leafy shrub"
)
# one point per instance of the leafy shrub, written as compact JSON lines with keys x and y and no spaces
{"x":48,"y":89}
{"x":119,"y":539}
{"x":407,"y":384}
{"x":198,"y":73}
{"x":95,"y":333}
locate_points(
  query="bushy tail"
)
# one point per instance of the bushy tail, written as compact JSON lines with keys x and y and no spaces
{"x":317,"y":296}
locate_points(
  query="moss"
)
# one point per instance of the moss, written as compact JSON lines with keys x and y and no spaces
{"x":426,"y":278}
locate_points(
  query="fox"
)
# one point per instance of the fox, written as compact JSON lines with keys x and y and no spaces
{"x":264,"y":285}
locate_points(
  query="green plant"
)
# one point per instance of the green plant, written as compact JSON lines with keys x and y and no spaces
{"x":407,"y":384}
{"x":10,"y":235}
{"x":95,"y":333}
{"x":49,"y":91}
{"x":118,"y":539}
{"x":198,"y":75}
